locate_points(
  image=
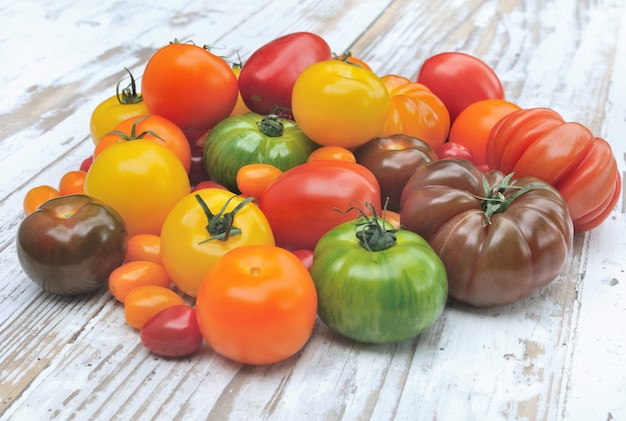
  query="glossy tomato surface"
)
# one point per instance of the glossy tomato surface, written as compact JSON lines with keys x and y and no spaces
{"x":500,"y":240}
{"x":70,"y":244}
{"x":269,"y":74}
{"x":460,"y":79}
{"x":257,"y":305}
{"x":173,"y":332}
{"x":303,"y":203}
{"x":538,"y":142}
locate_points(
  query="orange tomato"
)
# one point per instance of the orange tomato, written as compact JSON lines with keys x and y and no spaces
{"x":145,"y":247}
{"x":415,"y":111}
{"x":155,"y":128}
{"x":36,"y":197}
{"x":144,"y":302}
{"x":240,"y":106}
{"x":473,"y":125}
{"x":72,"y":182}
{"x":257,"y":305}
{"x":349,"y":58}
{"x":131,"y":275}
{"x":331,"y":152}
{"x":252,"y":179}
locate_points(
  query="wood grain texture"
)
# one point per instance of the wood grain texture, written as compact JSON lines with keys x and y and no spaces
{"x":557,"y":355}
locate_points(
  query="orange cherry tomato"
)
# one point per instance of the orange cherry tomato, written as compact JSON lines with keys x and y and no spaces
{"x":155,"y":128}
{"x":332,"y":152}
{"x":144,"y":302}
{"x":146,"y":247}
{"x":252,"y":179}
{"x":257,"y":305}
{"x":36,"y":197}
{"x":473,"y":125}
{"x":72,"y":182}
{"x":131,"y":275}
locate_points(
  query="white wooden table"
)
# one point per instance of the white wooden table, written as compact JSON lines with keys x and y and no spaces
{"x":558,"y":355}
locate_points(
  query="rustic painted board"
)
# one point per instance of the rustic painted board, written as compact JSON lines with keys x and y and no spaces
{"x":557,"y":355}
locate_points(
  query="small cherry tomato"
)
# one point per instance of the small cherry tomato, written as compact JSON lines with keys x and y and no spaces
{"x":84,"y":166}
{"x":131,"y":275}
{"x":252,"y":179}
{"x":144,"y":302}
{"x":72,"y":182}
{"x":173,"y":332}
{"x":331,"y":152}
{"x":37,"y":196}
{"x":305,"y":256}
{"x":145,"y":247}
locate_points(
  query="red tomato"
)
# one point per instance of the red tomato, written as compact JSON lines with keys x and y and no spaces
{"x":36,"y":197}
{"x":582,"y":167}
{"x":149,"y":127}
{"x":257,"y":305}
{"x":131,"y":275}
{"x":305,"y":256}
{"x":460,"y":79}
{"x":454,"y":150}
{"x":473,"y":126}
{"x":190,"y":86}
{"x":303,"y":203}
{"x":173,"y":332}
{"x":84,"y":166}
{"x":267,"y":77}
{"x":144,"y":302}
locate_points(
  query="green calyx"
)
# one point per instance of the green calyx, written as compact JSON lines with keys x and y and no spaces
{"x":372,"y":234}
{"x":271,"y":126}
{"x":129,"y":94}
{"x":220,"y":226}
{"x":133,"y":132}
{"x":495,"y":200}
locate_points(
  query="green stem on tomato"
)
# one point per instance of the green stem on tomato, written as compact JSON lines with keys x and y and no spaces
{"x":373,"y":235}
{"x":129,"y":94}
{"x":220,"y":226}
{"x":271,"y":126}
{"x":496,"y":202}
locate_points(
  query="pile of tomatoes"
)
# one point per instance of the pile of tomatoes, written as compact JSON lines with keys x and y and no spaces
{"x":235,"y":204}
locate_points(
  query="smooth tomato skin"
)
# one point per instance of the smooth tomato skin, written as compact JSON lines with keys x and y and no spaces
{"x":131,"y":275}
{"x":460,"y":79}
{"x":257,"y":305}
{"x":305,"y":256}
{"x":393,"y":160}
{"x":268,"y":75}
{"x":208,"y":184}
{"x":582,"y":167}
{"x":70,"y":244}
{"x":520,"y":249}
{"x":415,"y":111}
{"x":303,"y":203}
{"x":173,"y":332}
{"x":383,"y":296}
{"x":86,"y":163}
{"x":141,"y":180}
{"x":339,"y":104}
{"x":253,"y":179}
{"x":240,"y":106}
{"x":111,"y":112}
{"x":72,"y":182}
{"x":146,"y":247}
{"x":453,"y":150}
{"x":37,"y":196}
{"x":189,"y":86}
{"x":473,"y":126}
{"x":186,"y":253}
{"x":326,"y":153}
{"x":155,"y":128}
{"x":246,"y":139}
{"x":146,"y":301}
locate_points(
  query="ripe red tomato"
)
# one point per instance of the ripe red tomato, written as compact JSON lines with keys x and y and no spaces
{"x":473,"y":126}
{"x":453,"y":150}
{"x":267,"y":77}
{"x":173,"y":332}
{"x":190,"y":86}
{"x":460,"y":79}
{"x":257,"y":305}
{"x":538,"y":142}
{"x":303,"y":203}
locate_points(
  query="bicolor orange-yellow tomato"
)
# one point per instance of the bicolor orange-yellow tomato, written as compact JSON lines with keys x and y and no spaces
{"x":36,"y":197}
{"x":131,"y":275}
{"x":141,"y":180}
{"x":144,"y":302}
{"x":336,"y":103}
{"x":332,"y":153}
{"x":257,"y":305}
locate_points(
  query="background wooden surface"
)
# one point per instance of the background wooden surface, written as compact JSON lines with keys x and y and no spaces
{"x":558,"y":355}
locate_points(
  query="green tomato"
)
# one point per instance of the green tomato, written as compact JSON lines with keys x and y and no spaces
{"x":375,"y":284}
{"x":252,"y":138}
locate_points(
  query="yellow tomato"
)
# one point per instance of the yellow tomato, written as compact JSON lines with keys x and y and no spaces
{"x":141,"y":180}
{"x":202,"y":227}
{"x":336,"y":103}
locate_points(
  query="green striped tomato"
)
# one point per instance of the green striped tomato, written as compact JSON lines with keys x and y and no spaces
{"x":377,"y":296}
{"x":252,"y":138}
